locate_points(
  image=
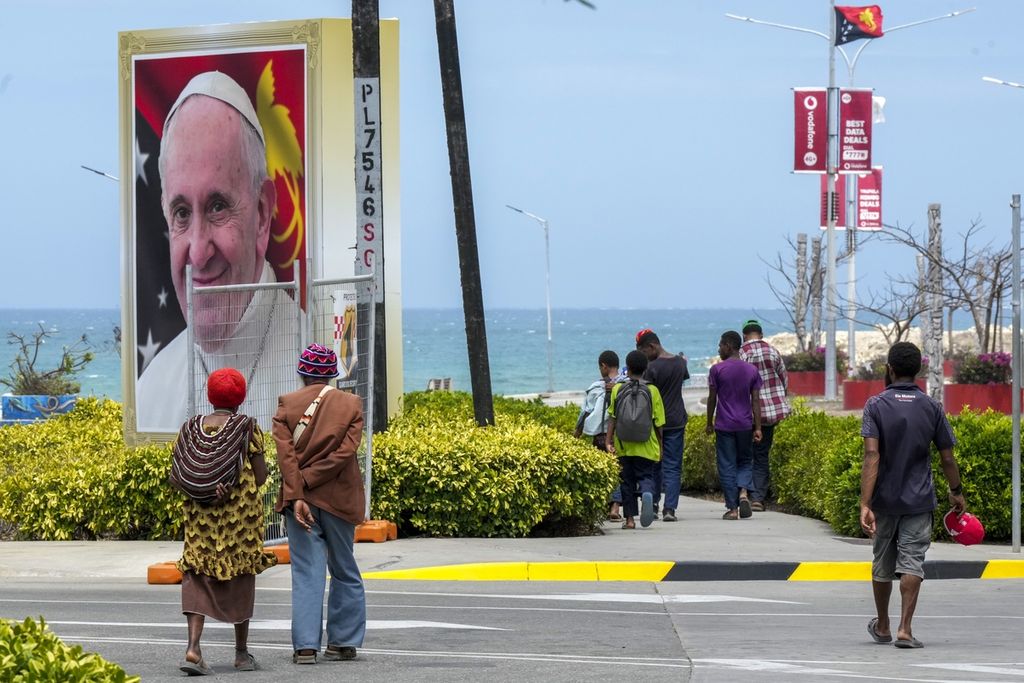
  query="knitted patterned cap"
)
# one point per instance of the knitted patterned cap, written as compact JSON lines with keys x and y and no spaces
{"x":318,"y":361}
{"x":225,"y":388}
{"x":643,"y":333}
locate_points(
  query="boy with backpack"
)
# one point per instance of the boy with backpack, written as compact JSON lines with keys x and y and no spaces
{"x":636,"y":417}
{"x":592,"y":422}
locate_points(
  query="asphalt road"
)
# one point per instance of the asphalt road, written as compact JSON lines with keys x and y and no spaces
{"x":545,"y":631}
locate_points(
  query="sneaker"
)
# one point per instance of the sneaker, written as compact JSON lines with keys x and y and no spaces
{"x":339,"y":653}
{"x":669,"y":516}
{"x":646,"y":509}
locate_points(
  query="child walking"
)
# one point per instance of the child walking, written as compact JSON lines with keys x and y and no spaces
{"x":636,"y":417}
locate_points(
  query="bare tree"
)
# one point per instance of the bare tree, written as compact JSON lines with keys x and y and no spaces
{"x":892,"y":312}
{"x":790,"y":286}
{"x":973,"y":278}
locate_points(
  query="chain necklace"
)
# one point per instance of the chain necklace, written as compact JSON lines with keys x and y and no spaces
{"x":259,"y":351}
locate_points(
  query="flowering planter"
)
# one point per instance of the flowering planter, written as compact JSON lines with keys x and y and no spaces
{"x":978,"y":397}
{"x":857,"y":392}
{"x":33,"y":407}
{"x":809,"y":382}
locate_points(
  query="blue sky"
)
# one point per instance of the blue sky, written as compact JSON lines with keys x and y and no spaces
{"x":655,"y":136}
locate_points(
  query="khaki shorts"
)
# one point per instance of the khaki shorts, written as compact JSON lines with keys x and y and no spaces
{"x":900,"y":544}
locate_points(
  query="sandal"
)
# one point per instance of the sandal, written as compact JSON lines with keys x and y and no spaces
{"x":730,"y":514}
{"x":757,"y":505}
{"x":250,"y":664}
{"x":629,"y":525}
{"x":304,"y":657}
{"x":196,"y":668}
{"x":614,"y":517}
{"x":745,"y":508}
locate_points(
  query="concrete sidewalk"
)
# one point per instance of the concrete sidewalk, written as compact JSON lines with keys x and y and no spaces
{"x":763,"y":544}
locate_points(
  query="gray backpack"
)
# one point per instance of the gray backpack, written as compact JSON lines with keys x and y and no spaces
{"x":634,"y":412}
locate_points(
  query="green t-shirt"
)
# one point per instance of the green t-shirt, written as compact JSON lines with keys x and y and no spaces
{"x":650,"y":449}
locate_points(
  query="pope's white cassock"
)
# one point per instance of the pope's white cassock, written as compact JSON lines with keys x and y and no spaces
{"x":264,"y":348}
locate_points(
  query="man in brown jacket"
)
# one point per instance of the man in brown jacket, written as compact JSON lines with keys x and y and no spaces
{"x":318,"y":430}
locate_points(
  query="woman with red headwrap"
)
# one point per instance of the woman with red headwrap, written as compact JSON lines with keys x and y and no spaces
{"x":218,"y":464}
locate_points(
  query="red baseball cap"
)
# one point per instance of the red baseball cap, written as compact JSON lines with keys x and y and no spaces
{"x":965,"y":529}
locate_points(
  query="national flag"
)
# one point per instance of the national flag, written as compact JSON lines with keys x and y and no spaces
{"x":854,"y":23}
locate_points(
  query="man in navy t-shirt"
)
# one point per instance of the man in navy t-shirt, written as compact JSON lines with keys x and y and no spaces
{"x":897,"y":495}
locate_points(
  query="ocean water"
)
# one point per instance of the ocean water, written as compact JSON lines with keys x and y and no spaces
{"x":435,"y":342}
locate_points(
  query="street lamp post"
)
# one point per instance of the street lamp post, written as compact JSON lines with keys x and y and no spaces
{"x":1017,"y":369}
{"x":547,"y":290}
{"x":830,"y":267}
{"x":98,"y":172}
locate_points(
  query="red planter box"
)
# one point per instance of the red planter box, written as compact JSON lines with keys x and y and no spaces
{"x":948,"y":368}
{"x":857,"y":392}
{"x":979,"y":397}
{"x":809,"y":382}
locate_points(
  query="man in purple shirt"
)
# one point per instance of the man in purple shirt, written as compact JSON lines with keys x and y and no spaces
{"x":734,"y":415}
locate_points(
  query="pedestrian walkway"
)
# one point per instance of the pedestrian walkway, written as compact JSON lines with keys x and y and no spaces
{"x":701,"y":546}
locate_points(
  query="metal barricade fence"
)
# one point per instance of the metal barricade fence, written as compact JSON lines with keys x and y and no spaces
{"x":341,"y":316}
{"x":256,"y":329}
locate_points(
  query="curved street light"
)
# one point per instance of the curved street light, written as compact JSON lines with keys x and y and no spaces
{"x":547,"y":287}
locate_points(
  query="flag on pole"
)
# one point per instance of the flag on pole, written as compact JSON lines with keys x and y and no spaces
{"x":854,"y":23}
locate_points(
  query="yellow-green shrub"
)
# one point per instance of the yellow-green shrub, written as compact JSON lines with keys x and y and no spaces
{"x":30,"y":652}
{"x":435,"y":472}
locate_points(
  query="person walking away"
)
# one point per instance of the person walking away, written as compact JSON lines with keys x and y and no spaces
{"x":318,"y":430}
{"x":734,"y":416}
{"x":667,"y":371}
{"x":636,"y":417}
{"x":897,"y":494}
{"x":593,"y":418}
{"x":774,"y":406}
{"x":218,"y":463}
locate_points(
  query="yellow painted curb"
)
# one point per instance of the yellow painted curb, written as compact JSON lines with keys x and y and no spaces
{"x":532,"y":571}
{"x":1004,"y":569}
{"x":480,"y":571}
{"x":832,"y":571}
{"x":633,"y":571}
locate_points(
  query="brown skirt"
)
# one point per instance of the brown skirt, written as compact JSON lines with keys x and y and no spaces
{"x":229,"y":601}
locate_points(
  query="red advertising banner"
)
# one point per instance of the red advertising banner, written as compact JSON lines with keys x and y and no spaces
{"x":855,"y":130}
{"x":869,"y":200}
{"x":838,"y":206}
{"x":810,"y":108}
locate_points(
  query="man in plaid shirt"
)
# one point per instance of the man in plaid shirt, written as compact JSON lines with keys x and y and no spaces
{"x":774,"y":407}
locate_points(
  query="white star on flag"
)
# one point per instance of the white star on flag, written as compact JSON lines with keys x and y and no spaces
{"x":148,"y":350}
{"x":140,"y":163}
{"x":162,"y":297}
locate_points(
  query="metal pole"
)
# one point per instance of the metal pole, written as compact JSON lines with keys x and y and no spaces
{"x":1016,"y":360}
{"x":851,"y":271}
{"x":371,"y":392}
{"x":830,"y":265}
{"x":190,"y":342}
{"x":547,"y":294}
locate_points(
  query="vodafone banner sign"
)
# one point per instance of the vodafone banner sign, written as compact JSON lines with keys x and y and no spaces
{"x":811,"y":130}
{"x":855,"y":130}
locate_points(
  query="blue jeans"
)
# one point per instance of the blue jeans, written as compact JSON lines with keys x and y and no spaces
{"x":668,"y":478}
{"x":327,"y":545}
{"x":635,"y":471}
{"x":735,"y":459}
{"x":762,"y":477}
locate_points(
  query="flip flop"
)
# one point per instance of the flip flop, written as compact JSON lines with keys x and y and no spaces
{"x":907,"y":644}
{"x":627,"y":525}
{"x":646,"y":509}
{"x":875,"y":635}
{"x":614,"y":517}
{"x":196,"y":668}
{"x":250,"y":664}
{"x":745,"y":508}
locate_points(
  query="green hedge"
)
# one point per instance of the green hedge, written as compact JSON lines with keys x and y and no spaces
{"x":816,"y":463}
{"x":29,"y":651}
{"x":435,"y":472}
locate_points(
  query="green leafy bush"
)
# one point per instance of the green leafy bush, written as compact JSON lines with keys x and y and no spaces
{"x":984,"y":368}
{"x":28,"y":379}
{"x":813,"y":361}
{"x":30,"y":652}
{"x":435,"y":472}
